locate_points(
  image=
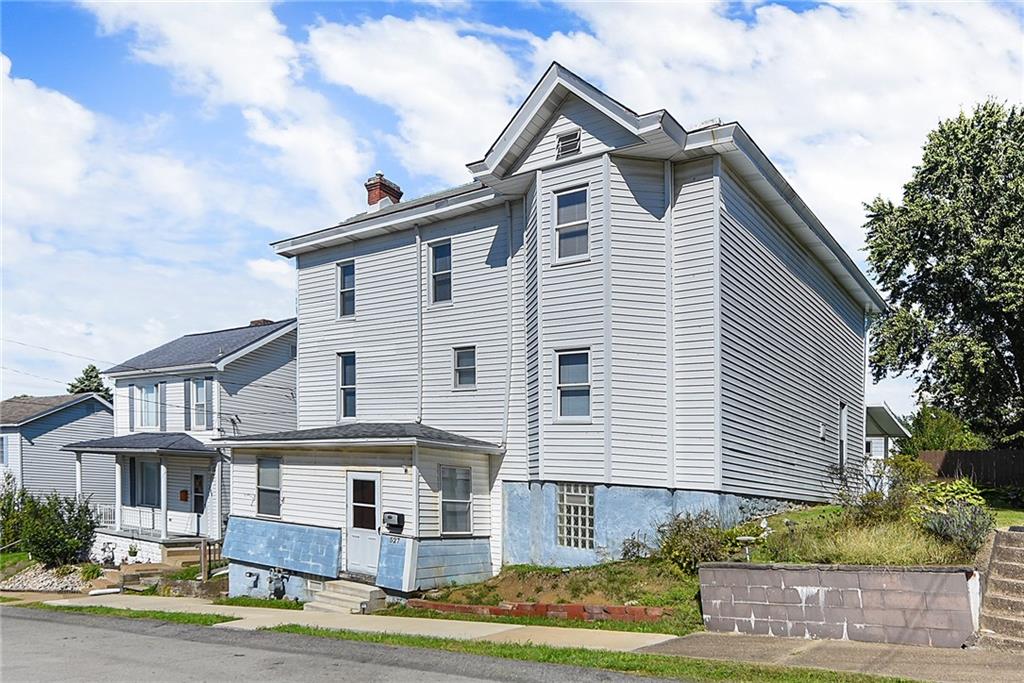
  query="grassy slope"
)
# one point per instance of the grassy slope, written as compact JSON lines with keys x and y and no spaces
{"x":662,"y":666}
{"x":8,"y":559}
{"x":177,"y":617}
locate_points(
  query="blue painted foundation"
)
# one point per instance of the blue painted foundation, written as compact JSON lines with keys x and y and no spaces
{"x":254,"y":581}
{"x":619,"y":512}
{"x":446,"y":561}
{"x":296,"y":547}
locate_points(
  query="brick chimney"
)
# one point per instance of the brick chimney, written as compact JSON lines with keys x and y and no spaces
{"x":381,"y":192}
{"x":260,"y":322}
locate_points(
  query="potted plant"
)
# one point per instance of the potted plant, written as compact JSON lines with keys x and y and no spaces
{"x":133,"y":551}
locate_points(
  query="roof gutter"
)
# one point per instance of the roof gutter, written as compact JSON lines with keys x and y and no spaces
{"x":358,"y":443}
{"x":125,"y":374}
{"x":149,"y":451}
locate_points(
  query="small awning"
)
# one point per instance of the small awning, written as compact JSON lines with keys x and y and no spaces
{"x":148,"y":443}
{"x":365,"y":434}
{"x":881,"y":421}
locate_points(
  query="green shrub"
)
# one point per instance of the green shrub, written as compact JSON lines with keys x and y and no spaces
{"x":937,"y":496}
{"x":91,"y":572}
{"x":965,"y":525}
{"x":12,"y":512}
{"x":899,"y":543}
{"x":57,"y":530}
{"x":686,"y":540}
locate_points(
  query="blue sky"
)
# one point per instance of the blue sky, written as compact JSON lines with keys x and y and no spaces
{"x":151,"y":151}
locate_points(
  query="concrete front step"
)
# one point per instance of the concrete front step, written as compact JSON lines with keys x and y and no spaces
{"x":1003,"y":605}
{"x":347,"y":596}
{"x":332,"y":609}
{"x":1011,"y":627}
{"x":1008,"y":554}
{"x":988,"y":639}
{"x":356,"y":590}
{"x":1007,"y":587}
{"x":1010,"y":539}
{"x":1006,"y":570}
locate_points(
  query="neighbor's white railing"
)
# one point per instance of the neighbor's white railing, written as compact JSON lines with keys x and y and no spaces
{"x":105,"y":514}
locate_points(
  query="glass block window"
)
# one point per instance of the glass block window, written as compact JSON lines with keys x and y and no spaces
{"x":576,"y":515}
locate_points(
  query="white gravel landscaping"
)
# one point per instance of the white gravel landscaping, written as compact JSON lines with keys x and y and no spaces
{"x":38,"y":578}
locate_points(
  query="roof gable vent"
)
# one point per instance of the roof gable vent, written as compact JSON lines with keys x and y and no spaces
{"x":568,"y":144}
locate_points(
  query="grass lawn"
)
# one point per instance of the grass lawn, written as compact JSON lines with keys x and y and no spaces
{"x":1007,"y":513}
{"x":9,"y":559}
{"x":665,"y":625}
{"x":662,"y":666}
{"x":641,"y":582}
{"x":243,"y":601}
{"x":177,"y":617}
{"x":4,"y":598}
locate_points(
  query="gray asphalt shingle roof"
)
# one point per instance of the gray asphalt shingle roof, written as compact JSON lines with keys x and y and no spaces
{"x":358,"y":431}
{"x":199,"y":348}
{"x":21,"y":409}
{"x":177,"y":442}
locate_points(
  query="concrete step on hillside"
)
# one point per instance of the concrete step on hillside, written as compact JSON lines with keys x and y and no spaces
{"x":1001,"y":625}
{"x":988,"y":639}
{"x":333,"y":603}
{"x":1003,"y":605}
{"x":346,"y":596}
{"x":1008,"y":587}
{"x":1008,"y":554}
{"x":181,"y":557}
{"x":1006,"y":570}
{"x":1010,"y":539}
{"x":358,"y":590}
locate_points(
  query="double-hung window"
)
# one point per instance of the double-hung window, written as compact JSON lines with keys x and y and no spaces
{"x":441,"y":271}
{"x":149,"y":406}
{"x":573,"y":383}
{"x":346,"y":288}
{"x":465,"y":367}
{"x":842,"y":434}
{"x":456,"y":500}
{"x":571,"y":225}
{"x":149,"y":484}
{"x":4,"y":442}
{"x":200,"y":400}
{"x":346,"y":385}
{"x":268,"y":486}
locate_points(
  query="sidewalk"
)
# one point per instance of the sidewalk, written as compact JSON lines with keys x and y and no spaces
{"x":920,"y":663}
{"x":251,"y":618}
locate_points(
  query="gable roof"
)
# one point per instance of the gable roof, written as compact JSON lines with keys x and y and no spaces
{"x":362,"y":433}
{"x":20,"y":410}
{"x":203,"y":350}
{"x":177,"y":443}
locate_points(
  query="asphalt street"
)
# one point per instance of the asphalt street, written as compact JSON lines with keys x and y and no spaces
{"x":47,"y":646}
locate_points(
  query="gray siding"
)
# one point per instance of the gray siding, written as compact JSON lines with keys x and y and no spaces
{"x":693,"y":303}
{"x":792,"y":348}
{"x":259,"y":388}
{"x":598,"y":134}
{"x":531,"y":320}
{"x":639,"y":412}
{"x":47,"y":468}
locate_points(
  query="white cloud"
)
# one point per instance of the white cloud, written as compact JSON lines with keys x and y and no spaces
{"x":451,"y":90}
{"x":278,"y":272}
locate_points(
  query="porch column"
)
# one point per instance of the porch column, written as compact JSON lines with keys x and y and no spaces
{"x":163,"y":497}
{"x":118,"y":468}
{"x":78,"y":475}
{"x":217,"y":489}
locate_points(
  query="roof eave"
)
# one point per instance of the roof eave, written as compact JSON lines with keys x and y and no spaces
{"x":72,"y":448}
{"x":357,"y":443}
{"x":129,"y":374}
{"x":62,"y":406}
{"x":262,"y":341}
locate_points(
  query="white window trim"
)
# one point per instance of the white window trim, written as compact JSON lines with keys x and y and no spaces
{"x":441,"y":500}
{"x":431,"y":273}
{"x":557,"y":259}
{"x":142,"y":402}
{"x":140,"y":464}
{"x":338,"y":290}
{"x":4,"y":446}
{"x":280,"y":487}
{"x":456,"y":367}
{"x":340,"y":393}
{"x":195,"y":404}
{"x":843,"y":445}
{"x":574,"y":419}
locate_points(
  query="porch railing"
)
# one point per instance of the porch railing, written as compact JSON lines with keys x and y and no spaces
{"x":143,"y":519}
{"x":105,"y":514}
{"x":209,"y":557}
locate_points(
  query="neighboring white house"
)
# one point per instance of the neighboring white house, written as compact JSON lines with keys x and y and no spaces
{"x":881,"y":428}
{"x":170,"y":486}
{"x":616,"y":320}
{"x":35,"y":429}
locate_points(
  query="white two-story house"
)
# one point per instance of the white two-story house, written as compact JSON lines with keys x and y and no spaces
{"x":170,"y":485}
{"x":617,"y":320}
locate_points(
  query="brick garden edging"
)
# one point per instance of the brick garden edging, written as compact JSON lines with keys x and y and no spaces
{"x":542,"y":609}
{"x":936,"y":606}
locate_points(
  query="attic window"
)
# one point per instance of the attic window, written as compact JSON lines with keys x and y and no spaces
{"x":569,"y":144}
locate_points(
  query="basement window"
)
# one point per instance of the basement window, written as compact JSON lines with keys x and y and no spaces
{"x":576,"y":516}
{"x":568,"y":144}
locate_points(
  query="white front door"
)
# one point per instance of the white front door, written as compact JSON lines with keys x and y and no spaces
{"x":199,"y":495}
{"x":363,"y":522}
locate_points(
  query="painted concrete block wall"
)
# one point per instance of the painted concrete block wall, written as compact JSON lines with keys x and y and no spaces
{"x":297,"y":547}
{"x":531,"y":517}
{"x":255,"y":581}
{"x":149,"y":552}
{"x":931,"y":606}
{"x":447,"y":561}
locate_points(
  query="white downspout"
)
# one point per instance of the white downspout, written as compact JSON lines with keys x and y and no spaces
{"x":419,"y":329}
{"x":508,"y":328}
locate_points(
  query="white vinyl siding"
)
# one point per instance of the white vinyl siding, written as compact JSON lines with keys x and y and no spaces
{"x":792,"y":350}
{"x":430,"y":463}
{"x":259,"y":388}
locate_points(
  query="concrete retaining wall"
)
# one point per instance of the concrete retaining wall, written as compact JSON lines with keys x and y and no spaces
{"x":148,"y":551}
{"x":909,"y":606}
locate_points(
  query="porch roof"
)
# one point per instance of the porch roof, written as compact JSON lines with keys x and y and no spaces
{"x":363,"y":434}
{"x":881,"y":421}
{"x":156,"y":443}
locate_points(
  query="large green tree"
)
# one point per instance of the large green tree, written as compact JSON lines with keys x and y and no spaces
{"x":89,"y":380}
{"x":951,"y":256}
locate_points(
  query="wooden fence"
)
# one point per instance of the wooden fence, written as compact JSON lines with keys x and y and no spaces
{"x":209,"y":557}
{"x":986,"y":468}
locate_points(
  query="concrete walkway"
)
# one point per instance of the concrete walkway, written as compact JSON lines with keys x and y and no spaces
{"x":251,"y":618}
{"x":904,"y":661}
